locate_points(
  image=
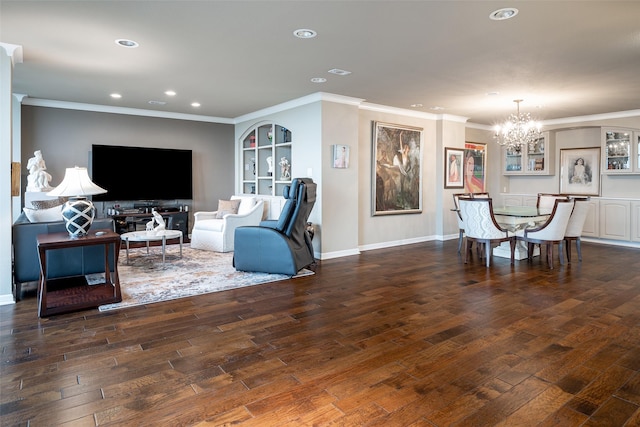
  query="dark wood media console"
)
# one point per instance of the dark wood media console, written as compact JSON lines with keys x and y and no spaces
{"x":126,"y":222}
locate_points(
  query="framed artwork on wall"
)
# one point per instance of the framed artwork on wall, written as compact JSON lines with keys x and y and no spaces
{"x":580,"y":171}
{"x":474,"y":169}
{"x":397,"y":169}
{"x":340,"y":156}
{"x":453,"y":158}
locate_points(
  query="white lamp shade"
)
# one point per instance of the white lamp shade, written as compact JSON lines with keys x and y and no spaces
{"x":76,"y":182}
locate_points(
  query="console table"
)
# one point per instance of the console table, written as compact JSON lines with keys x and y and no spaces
{"x":63,"y":295}
{"x":175,"y":220}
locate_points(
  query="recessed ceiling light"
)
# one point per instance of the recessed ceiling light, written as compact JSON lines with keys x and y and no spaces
{"x":127,"y":43}
{"x":170,"y":93}
{"x":504,"y":13}
{"x":318,"y":80}
{"x":116,"y":96}
{"x":493,"y":93}
{"x":339,"y":72}
{"x":416,"y":105}
{"x":305,"y":33}
{"x":157,"y":102}
{"x":195,"y":104}
{"x":436,"y":108}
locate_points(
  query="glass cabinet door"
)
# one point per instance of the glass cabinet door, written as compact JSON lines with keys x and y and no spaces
{"x":617,"y":151}
{"x":513,"y":160}
{"x":535,"y":156}
{"x":637,"y":142}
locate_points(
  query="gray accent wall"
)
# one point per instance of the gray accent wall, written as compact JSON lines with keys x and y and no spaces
{"x":65,"y":138}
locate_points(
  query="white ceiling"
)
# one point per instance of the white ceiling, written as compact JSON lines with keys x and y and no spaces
{"x":573,"y":58}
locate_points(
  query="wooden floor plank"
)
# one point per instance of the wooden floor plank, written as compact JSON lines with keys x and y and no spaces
{"x":403,"y":336}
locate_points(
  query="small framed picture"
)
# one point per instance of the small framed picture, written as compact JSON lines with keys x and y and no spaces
{"x":580,"y":171}
{"x":453,"y":158}
{"x":340,"y":156}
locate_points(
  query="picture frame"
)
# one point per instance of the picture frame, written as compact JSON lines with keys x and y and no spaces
{"x":475,"y":164}
{"x":453,"y":171}
{"x":396,"y":179}
{"x":580,"y":171}
{"x":340,"y":156}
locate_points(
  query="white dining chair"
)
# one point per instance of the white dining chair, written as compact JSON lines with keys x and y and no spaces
{"x":456,"y":208}
{"x":550,"y":232}
{"x":575,"y":226}
{"x":481,"y":227}
{"x":547,"y":200}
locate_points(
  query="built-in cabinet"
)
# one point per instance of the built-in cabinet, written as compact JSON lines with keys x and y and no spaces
{"x":591,"y":227}
{"x":610,"y":219}
{"x":620,"y":151}
{"x":536,"y":159}
{"x":266,"y":159}
{"x":615,"y":220}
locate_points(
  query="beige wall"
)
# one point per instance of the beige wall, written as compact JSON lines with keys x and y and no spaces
{"x":386,"y":230}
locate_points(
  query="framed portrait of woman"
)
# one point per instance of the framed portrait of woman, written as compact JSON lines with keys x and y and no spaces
{"x":580,"y":171}
{"x":340,"y":156}
{"x":453,"y":159}
{"x":474,"y":169}
{"x":397,"y":169}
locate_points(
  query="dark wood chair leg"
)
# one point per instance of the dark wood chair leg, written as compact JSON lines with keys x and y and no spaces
{"x":560,"y":255}
{"x":568,"y":249}
{"x":460,"y":239}
{"x":578,"y":249}
{"x":512,"y":243}
{"x":550,"y":254}
{"x":467,"y":249}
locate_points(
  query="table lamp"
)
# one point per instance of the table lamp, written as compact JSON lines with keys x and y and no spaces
{"x":78,"y":212}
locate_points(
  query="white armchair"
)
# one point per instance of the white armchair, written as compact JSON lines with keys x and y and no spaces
{"x":217,"y":234}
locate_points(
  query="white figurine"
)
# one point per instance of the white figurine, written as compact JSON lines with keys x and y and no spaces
{"x":157,"y":218}
{"x":285,"y":169}
{"x":38,"y":179}
{"x":270,"y":164}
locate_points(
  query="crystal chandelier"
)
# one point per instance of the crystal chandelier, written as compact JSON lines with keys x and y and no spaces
{"x":518,"y":131}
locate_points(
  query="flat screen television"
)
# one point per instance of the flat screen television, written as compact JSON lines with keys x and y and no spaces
{"x":141,"y":173}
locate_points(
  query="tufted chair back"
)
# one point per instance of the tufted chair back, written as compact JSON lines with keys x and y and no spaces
{"x":479,"y":222}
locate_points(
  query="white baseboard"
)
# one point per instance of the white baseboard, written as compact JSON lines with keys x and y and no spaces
{"x":6,"y":299}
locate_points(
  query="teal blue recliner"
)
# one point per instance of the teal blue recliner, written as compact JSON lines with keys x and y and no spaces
{"x":279,"y":246}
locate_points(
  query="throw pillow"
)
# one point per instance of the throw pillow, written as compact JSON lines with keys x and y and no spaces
{"x":44,"y":215}
{"x":227,"y":207}
{"x":246,"y":204}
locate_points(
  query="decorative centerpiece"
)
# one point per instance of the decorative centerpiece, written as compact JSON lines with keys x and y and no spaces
{"x":157,"y":219}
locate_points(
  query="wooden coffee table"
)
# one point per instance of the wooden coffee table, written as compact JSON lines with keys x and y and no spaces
{"x":152,"y":236}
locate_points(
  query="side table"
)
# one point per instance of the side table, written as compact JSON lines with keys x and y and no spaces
{"x":63,"y":295}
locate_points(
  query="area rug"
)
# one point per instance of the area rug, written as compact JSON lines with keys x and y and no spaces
{"x":145,"y":280}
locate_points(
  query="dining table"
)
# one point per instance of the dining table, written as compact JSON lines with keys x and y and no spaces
{"x":515,"y":218}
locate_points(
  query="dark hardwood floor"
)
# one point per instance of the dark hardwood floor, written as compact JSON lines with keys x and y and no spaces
{"x":406,"y":336}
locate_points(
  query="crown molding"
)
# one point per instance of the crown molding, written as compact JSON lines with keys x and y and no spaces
{"x":572,"y":120}
{"x":299,"y":102}
{"x":412,"y":113}
{"x":14,"y":52}
{"x":37,"y":102}
{"x":593,"y":117}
